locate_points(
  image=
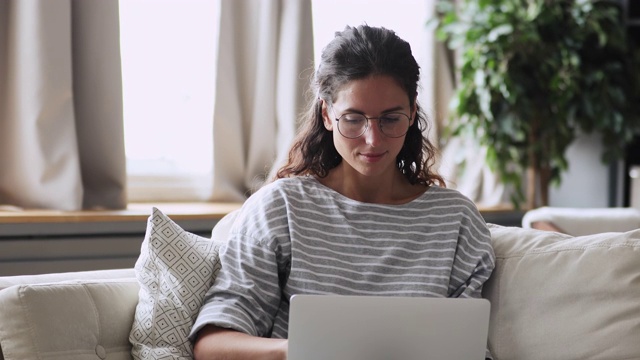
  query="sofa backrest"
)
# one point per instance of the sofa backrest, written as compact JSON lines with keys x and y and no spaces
{"x":554,"y":296}
{"x":222,"y":227}
{"x":91,"y":318}
{"x":7,"y":281}
{"x":12,"y":312}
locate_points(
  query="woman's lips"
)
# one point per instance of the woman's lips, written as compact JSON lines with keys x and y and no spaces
{"x":372,"y":157}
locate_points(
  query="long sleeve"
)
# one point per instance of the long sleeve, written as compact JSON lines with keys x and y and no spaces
{"x":247,"y":294}
{"x":474,"y":259}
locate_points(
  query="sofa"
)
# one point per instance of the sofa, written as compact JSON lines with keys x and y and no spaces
{"x":582,"y":221}
{"x":553,"y":296}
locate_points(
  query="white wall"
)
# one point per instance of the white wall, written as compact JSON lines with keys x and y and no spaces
{"x":634,"y":172}
{"x":586,"y":183}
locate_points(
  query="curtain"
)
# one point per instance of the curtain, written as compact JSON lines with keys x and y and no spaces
{"x":61,"y":134}
{"x":265,"y":59}
{"x":437,"y":78}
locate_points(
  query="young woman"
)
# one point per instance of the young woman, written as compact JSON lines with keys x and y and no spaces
{"x":357,"y":210}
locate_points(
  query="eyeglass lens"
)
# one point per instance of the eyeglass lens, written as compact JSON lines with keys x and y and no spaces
{"x":392,"y":124}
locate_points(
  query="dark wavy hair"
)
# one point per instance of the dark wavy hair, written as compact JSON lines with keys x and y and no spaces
{"x":357,"y":53}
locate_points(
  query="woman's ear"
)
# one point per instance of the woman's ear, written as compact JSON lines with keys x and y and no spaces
{"x":326,"y":119}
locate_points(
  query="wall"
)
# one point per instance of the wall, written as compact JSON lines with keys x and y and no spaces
{"x":586,"y":183}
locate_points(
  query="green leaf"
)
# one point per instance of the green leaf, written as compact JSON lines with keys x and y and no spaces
{"x":533,"y":73}
{"x":432,"y":24}
{"x":495,"y":33}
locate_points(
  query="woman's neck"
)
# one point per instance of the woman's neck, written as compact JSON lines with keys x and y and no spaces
{"x":392,"y":189}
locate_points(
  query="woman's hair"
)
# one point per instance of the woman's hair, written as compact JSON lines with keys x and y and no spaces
{"x":357,"y":53}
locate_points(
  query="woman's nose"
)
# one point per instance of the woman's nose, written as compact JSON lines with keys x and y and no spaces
{"x":373,"y":135}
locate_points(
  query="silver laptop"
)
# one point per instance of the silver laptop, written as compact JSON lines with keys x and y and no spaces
{"x":334,"y":327}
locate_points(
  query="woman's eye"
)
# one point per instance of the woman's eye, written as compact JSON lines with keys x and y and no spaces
{"x":353,"y":119}
{"x":391,"y":118}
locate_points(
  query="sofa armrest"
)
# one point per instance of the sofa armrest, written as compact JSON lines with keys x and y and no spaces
{"x":547,"y":226}
{"x":583,"y":221}
{"x":68,"y":320}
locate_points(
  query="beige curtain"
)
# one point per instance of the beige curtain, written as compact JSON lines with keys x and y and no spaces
{"x":437,"y":78}
{"x":61,"y":137}
{"x":265,"y":59}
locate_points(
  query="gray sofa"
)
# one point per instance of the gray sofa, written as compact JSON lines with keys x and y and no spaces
{"x":553,"y":296}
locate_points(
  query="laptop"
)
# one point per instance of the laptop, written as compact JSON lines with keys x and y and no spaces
{"x":338,"y":327}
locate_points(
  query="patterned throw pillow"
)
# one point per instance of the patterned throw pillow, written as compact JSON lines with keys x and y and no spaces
{"x":175,"y":269}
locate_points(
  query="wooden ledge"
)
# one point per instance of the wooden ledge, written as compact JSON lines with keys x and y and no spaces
{"x":141,"y":211}
{"x":501,"y":208}
{"x":134,"y":212}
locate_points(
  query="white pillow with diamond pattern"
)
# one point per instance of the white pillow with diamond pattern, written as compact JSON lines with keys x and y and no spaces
{"x":175,"y":269}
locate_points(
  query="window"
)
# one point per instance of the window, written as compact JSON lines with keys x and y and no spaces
{"x":168,"y":60}
{"x":406,"y":17}
{"x":168,"y":49}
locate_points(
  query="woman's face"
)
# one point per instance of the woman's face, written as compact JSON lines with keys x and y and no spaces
{"x":373,"y":153}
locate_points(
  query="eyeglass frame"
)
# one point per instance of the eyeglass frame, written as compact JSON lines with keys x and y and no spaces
{"x":369,"y":118}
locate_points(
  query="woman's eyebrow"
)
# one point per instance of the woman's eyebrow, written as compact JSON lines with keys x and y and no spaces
{"x":354,"y":110}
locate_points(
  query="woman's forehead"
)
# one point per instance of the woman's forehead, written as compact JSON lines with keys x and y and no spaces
{"x":379,"y":92}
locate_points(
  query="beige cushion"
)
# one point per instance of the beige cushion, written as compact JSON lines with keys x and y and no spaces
{"x":555,"y":296}
{"x":223,"y":226}
{"x":175,"y":269}
{"x":74,"y":320}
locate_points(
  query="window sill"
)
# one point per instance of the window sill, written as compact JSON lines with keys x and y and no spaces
{"x":134,"y":212}
{"x":137,"y":212}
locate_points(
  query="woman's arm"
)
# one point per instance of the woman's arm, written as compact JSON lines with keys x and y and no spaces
{"x":214,"y":343}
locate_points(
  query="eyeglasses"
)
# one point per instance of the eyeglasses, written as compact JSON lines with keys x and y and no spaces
{"x":393,"y":125}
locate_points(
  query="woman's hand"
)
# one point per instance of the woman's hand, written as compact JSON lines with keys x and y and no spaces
{"x":218,"y":343}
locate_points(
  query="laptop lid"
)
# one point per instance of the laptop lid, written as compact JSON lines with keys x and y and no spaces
{"x":334,"y":327}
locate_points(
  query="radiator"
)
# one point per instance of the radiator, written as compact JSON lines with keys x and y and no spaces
{"x":37,"y":248}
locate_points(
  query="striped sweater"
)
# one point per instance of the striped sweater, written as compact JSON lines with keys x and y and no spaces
{"x":296,"y":236}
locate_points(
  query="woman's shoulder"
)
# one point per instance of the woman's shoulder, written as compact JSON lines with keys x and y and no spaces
{"x":281,"y":190}
{"x":290,"y":185}
{"x":454,"y":202}
{"x":267,"y":209}
{"x":450,"y":199}
{"x":438,"y":193}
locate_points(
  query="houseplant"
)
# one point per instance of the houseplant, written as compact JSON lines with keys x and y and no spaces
{"x":533,"y":74}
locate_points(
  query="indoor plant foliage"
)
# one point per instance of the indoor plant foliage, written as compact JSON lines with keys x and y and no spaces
{"x":532,"y":74}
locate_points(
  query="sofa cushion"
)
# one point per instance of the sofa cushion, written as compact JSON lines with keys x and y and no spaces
{"x":86,"y":319}
{"x":555,"y":296}
{"x":175,"y":269}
